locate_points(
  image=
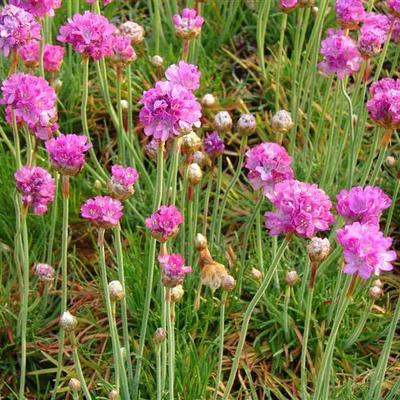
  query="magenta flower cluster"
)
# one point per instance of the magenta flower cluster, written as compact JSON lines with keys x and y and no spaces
{"x":164,"y":223}
{"x":102,"y":211}
{"x":67,"y":153}
{"x":384,"y":103}
{"x":33,"y":102}
{"x":350,"y":13}
{"x":37,"y":188}
{"x":188,"y":24}
{"x":52,"y":55}
{"x":122,"y":50}
{"x":287,"y":5}
{"x":365,"y":250}
{"x":39,"y":8}
{"x":17,"y":27}
{"x":364,"y":205}
{"x":89,"y":34}
{"x":124,"y":176}
{"x":301,"y":208}
{"x":394,"y":7}
{"x":373,"y":34}
{"x":268,"y":164}
{"x":173,"y":269}
{"x":213,"y":144}
{"x":341,"y":55}
{"x":184,"y":74}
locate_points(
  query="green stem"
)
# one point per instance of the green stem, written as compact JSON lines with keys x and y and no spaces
{"x":249,"y":311}
{"x":286,"y":313}
{"x":393,"y":206}
{"x":214,"y":217}
{"x":378,"y":165}
{"x":158,"y":368}
{"x":370,"y":161}
{"x":171,"y":345}
{"x":360,"y":325}
{"x":206,"y":204}
{"x":279,"y":59}
{"x":78,"y":367}
{"x":262,"y":20}
{"x":121,"y":130}
{"x":41,"y":51}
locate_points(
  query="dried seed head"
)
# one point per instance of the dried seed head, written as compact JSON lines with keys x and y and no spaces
{"x":159,"y":336}
{"x":177,"y":293}
{"x":223,"y":121}
{"x":213,"y":275}
{"x":318,"y":249}
{"x":208,"y":100}
{"x":68,"y":322}
{"x":44,"y":272}
{"x":195,"y":174}
{"x":200,"y":241}
{"x":377,"y":282}
{"x":292,"y":277}
{"x":246,"y":124}
{"x":124,"y":104}
{"x":74,"y":385}
{"x":57,"y":84}
{"x":201,"y":158}
{"x":134,"y":31}
{"x":228,"y":283}
{"x":116,"y":290}
{"x":390,"y":161}
{"x":314,"y":10}
{"x":157,"y":60}
{"x":375,"y":292}
{"x":282,"y":121}
{"x":256,"y":274}
{"x":190,"y":143}
{"x":113,"y":395}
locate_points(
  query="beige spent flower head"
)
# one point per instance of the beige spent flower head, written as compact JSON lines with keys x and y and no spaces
{"x":177,"y":293}
{"x":318,"y":249}
{"x":134,"y":31}
{"x":213,"y":275}
{"x":256,"y":274}
{"x":223,"y":122}
{"x":282,"y":121}
{"x":390,"y":161}
{"x":200,"y":241}
{"x":68,"y":322}
{"x":377,"y":282}
{"x":246,"y":124}
{"x":292,"y":277}
{"x":190,"y":143}
{"x":195,"y":174}
{"x":124,"y":104}
{"x":228,"y":283}
{"x":375,"y":292}
{"x":157,"y":60}
{"x":74,"y":385}
{"x":159,"y":336}
{"x":113,"y":395}
{"x":116,"y":290}
{"x":208,"y":100}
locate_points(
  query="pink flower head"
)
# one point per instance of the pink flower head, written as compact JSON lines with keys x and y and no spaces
{"x":188,"y":24}
{"x":341,"y":55}
{"x":288,"y":5}
{"x":38,"y":8}
{"x":44,"y":272}
{"x":350,"y":13}
{"x":184,"y":74}
{"x":33,"y":102}
{"x":164,"y":223}
{"x":394,"y":7}
{"x":301,"y":208}
{"x":89,"y":34}
{"x":214,"y":146}
{"x":17,"y":27}
{"x":365,"y":250}
{"x":268,"y":164}
{"x":169,"y":110}
{"x":173,"y":269}
{"x":384,"y":104}
{"x":364,"y":205}
{"x":123,"y":53}
{"x":396,"y":30}
{"x":374,"y":33}
{"x":67,"y":153}
{"x":102,"y":211}
{"x":122,"y":181}
{"x":52,"y":55}
{"x":37,"y":187}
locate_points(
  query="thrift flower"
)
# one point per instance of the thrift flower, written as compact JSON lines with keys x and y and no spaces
{"x":288,"y":5}
{"x":268,"y":164}
{"x":184,"y":74}
{"x":395,"y":37}
{"x":214,"y":146}
{"x":364,"y":205}
{"x":374,"y":33}
{"x":102,"y":211}
{"x":164,"y":223}
{"x":44,"y":272}
{"x":38,"y":8}
{"x":134,"y":31}
{"x":341,"y":55}
{"x":173,"y":269}
{"x":365,"y":250}
{"x":52,"y":55}
{"x":89,"y":34}
{"x":223,"y":121}
{"x":123,"y":53}
{"x":169,"y":110}
{"x":37,"y":188}
{"x":282,"y":121}
{"x":122,"y":181}
{"x":394,"y":7}
{"x":301,"y":208}
{"x":350,"y":13}
{"x":67,"y":153}
{"x":17,"y":27}
{"x":188,"y":24}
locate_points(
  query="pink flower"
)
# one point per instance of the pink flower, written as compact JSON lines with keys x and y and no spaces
{"x":122,"y":181}
{"x":164,"y":223}
{"x":33,"y":102}
{"x":394,"y":7}
{"x":364,"y":205}
{"x":67,"y":153}
{"x":374,"y":33}
{"x":214,"y":146}
{"x":301,"y":208}
{"x":39,"y":8}
{"x":184,"y":74}
{"x":365,"y":250}
{"x":268,"y":164}
{"x":89,"y":34}
{"x":123,"y":52}
{"x":173,"y":269}
{"x":168,"y":110}
{"x":396,"y":30}
{"x":341,"y":55}
{"x":188,"y":24}
{"x":288,"y":5}
{"x":350,"y":13}
{"x":44,"y":272}
{"x":102,"y":211}
{"x":37,"y":187}
{"x":52,"y":55}
{"x":17,"y":27}
{"x":384,"y":104}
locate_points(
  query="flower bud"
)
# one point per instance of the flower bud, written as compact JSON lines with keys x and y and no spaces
{"x":134,"y":31}
{"x":200,"y":241}
{"x":44,"y":272}
{"x":377,"y":282}
{"x":68,"y":322}
{"x":292,"y":277}
{"x":256,"y":274}
{"x":246,"y":124}
{"x":228,"y":283}
{"x":390,"y":161}
{"x":177,"y":293}
{"x":223,"y":121}
{"x":282,"y":121}
{"x":318,"y":249}
{"x":157,"y":61}
{"x":190,"y":143}
{"x":116,"y":290}
{"x":124,"y":104}
{"x":97,"y":184}
{"x":208,"y":100}
{"x":375,"y":292}
{"x":315,"y":10}
{"x":194,"y":174}
{"x":74,"y":385}
{"x":113,"y":395}
{"x":159,"y":336}
{"x":57,"y":84}
{"x":201,"y":158}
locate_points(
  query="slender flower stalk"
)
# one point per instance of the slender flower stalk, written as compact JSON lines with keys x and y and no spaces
{"x":214,"y":217}
{"x":171,"y":344}
{"x":280,"y":61}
